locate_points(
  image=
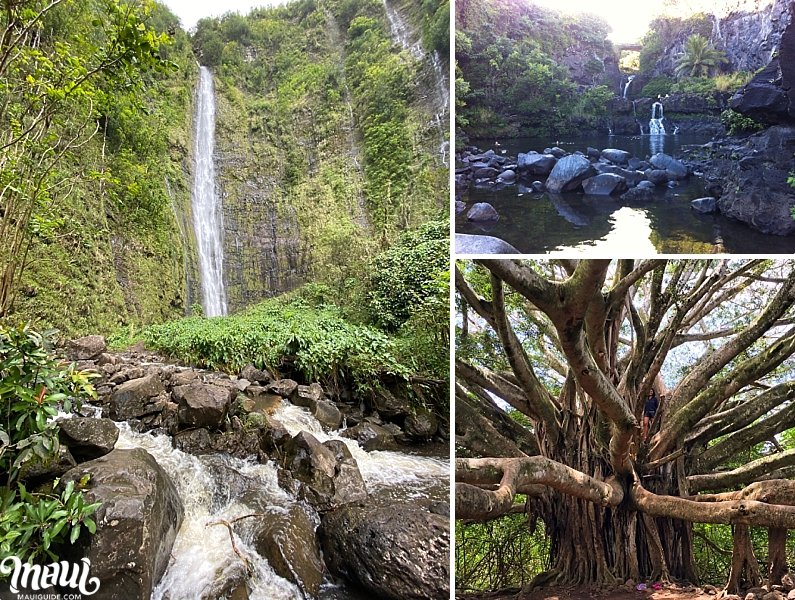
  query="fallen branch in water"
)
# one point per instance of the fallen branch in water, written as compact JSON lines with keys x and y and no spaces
{"x":228,"y":525}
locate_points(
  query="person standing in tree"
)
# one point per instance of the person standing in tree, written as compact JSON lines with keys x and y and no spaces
{"x":652,"y":403}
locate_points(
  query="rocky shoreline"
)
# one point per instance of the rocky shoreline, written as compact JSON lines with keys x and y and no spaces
{"x":214,"y":414}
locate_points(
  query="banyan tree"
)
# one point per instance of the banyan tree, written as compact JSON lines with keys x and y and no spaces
{"x":573,"y":348}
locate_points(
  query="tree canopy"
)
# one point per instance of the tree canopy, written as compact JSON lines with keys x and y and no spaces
{"x":553,"y":363}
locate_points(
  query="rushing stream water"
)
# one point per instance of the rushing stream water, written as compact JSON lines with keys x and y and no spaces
{"x":207,"y":216}
{"x":202,"y":557}
{"x":578,"y":223}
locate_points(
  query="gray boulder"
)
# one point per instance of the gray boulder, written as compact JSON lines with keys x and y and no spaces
{"x":137,"y":522}
{"x":536,"y":164}
{"x":604,"y":184}
{"x":134,"y":398}
{"x":86,"y":348}
{"x":348,"y":482}
{"x":286,"y":388}
{"x":371,"y":436}
{"x":421,"y":425}
{"x":202,"y":404}
{"x":704,"y":205}
{"x":88,"y":438}
{"x":482,"y":244}
{"x":328,"y":414}
{"x":482,"y":211}
{"x":657,"y":176}
{"x":507,"y":176}
{"x":616,"y":156}
{"x":486,"y":173}
{"x":665,"y":162}
{"x":396,"y":552}
{"x":640,"y":193}
{"x":253,"y":374}
{"x":569,"y":173}
{"x":311,"y":462}
{"x":309,"y":395}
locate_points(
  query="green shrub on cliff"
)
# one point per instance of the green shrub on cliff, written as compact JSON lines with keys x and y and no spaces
{"x":657,"y":86}
{"x":737,"y":123}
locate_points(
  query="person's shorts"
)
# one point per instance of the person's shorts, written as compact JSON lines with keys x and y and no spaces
{"x":650,"y":414}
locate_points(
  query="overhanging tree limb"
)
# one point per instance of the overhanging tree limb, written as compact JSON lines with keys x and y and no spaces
{"x":742,"y":475}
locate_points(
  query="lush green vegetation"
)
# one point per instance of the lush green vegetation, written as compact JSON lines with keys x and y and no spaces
{"x":663,"y":31}
{"x":510,"y":59}
{"x":33,"y":385}
{"x":393,"y":322}
{"x":737,"y":123}
{"x":699,"y":57}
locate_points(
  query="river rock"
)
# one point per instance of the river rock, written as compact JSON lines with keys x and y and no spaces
{"x":395,"y":552}
{"x":536,"y":164}
{"x":507,"y":176}
{"x":482,"y":244}
{"x":286,"y":388}
{"x":86,"y":348}
{"x":137,"y":522}
{"x":633,"y":163}
{"x":253,"y":374}
{"x":348,"y":482}
{"x":133,"y":398}
{"x":485,"y":173}
{"x":421,"y":425}
{"x":482,"y":211}
{"x":88,"y":438}
{"x":665,"y":162}
{"x":309,"y":395}
{"x":616,"y":156}
{"x":640,"y":193}
{"x":657,"y":176}
{"x":37,"y":470}
{"x":310,"y":462}
{"x":202,"y":404}
{"x":569,"y":173}
{"x":704,"y":205}
{"x":460,"y":206}
{"x":604,"y":184}
{"x":389,"y":405}
{"x":371,"y":437}
{"x":193,"y":441}
{"x":183,"y":377}
{"x":555,"y":151}
{"x":327,"y":414}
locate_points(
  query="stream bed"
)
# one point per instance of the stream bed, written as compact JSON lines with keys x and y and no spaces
{"x":203,"y":562}
{"x":574,"y":222}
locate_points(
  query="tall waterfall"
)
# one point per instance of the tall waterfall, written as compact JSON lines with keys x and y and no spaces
{"x":626,"y":87}
{"x":655,"y":124}
{"x":207,"y":216}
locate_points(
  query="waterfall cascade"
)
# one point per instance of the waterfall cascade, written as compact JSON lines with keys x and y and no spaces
{"x":206,"y":207}
{"x":626,"y":86}
{"x":656,"y":126}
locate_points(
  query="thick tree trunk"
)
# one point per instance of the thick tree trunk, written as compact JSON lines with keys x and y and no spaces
{"x":745,"y":570}
{"x":777,"y":555}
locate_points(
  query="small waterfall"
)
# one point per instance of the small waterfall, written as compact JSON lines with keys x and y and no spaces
{"x":626,"y":87}
{"x":634,"y":113}
{"x":656,"y":126}
{"x":400,"y":32}
{"x":207,"y":215}
{"x":609,"y":130}
{"x":676,"y":129}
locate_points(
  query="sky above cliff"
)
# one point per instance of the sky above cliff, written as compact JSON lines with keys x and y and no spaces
{"x":628,"y":18}
{"x":190,"y":11}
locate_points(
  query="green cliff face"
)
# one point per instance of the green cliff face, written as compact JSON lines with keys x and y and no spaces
{"x":327,"y":141}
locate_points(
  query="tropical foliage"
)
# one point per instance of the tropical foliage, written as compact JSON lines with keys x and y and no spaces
{"x":699,"y":57}
{"x":33,"y":386}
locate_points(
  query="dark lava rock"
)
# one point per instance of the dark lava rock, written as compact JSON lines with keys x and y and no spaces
{"x":133,"y":398}
{"x":137,"y":522}
{"x":704,"y":205}
{"x":639,"y":194}
{"x":202,"y":404}
{"x":657,"y":176}
{"x":750,"y":179}
{"x":86,"y":348}
{"x":482,"y":244}
{"x":604,"y":184}
{"x":538,"y":186}
{"x":460,"y":207}
{"x":633,"y":163}
{"x":763,"y":99}
{"x":486,"y":173}
{"x":88,"y":438}
{"x":628,"y":174}
{"x":309,"y":395}
{"x":422,"y":425}
{"x":482,"y":211}
{"x":193,"y":441}
{"x":616,"y":156}
{"x":569,"y":173}
{"x":253,"y":374}
{"x":665,"y":162}
{"x":389,"y":405}
{"x":396,"y":552}
{"x":536,"y":164}
{"x":183,"y":377}
{"x":311,"y":462}
{"x":507,"y":176}
{"x":37,"y":470}
{"x":348,"y":482}
{"x":556,"y":152}
{"x":593,"y":152}
{"x":371,"y":437}
{"x":327,"y":414}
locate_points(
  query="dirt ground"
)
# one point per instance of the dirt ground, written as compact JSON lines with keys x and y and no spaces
{"x":667,"y":592}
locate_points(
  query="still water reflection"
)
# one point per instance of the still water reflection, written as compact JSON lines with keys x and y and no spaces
{"x":578,"y":223}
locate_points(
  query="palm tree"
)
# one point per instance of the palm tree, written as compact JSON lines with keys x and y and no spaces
{"x":699,"y":57}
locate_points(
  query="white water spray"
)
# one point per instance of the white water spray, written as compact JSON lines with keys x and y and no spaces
{"x":656,"y":126}
{"x":207,"y":215}
{"x":626,"y":87}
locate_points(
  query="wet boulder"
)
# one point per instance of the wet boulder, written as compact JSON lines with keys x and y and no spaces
{"x":643,"y":192}
{"x":327,"y":414}
{"x":536,"y":164}
{"x":184,"y":377}
{"x":482,"y":211}
{"x":704,"y":205}
{"x":88,"y":438}
{"x":604,"y":184}
{"x":348,"y":482}
{"x":309,"y":395}
{"x":137,"y":522}
{"x":134,"y":398}
{"x":286,"y":388}
{"x":569,"y":173}
{"x":37,"y":470}
{"x":665,"y":162}
{"x":311,"y":462}
{"x":657,"y":176}
{"x":251,"y":373}
{"x":201,"y":404}
{"x":395,"y":552}
{"x":421,"y":425}
{"x":764,"y":99}
{"x":389,"y":405}
{"x":371,"y":436}
{"x":193,"y":441}
{"x":86,"y":348}
{"x":616,"y":156}
{"x":486,"y":173}
{"x":507,"y":176}
{"x":482,"y":244}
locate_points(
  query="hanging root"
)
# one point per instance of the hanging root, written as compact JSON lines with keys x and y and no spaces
{"x":228,"y":525}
